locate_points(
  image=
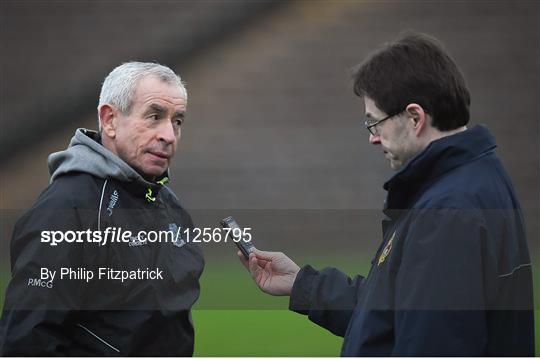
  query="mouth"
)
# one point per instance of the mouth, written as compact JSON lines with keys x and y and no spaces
{"x":160,"y":154}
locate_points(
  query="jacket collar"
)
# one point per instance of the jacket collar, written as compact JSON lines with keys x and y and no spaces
{"x":439,"y":157}
{"x":138,"y":185}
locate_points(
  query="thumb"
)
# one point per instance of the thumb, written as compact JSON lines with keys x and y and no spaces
{"x":265,"y":255}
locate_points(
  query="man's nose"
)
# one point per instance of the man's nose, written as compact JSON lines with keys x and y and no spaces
{"x":374,"y":140}
{"x":166,"y":132}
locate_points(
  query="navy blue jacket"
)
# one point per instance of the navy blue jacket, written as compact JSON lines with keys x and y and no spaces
{"x":452,"y":276}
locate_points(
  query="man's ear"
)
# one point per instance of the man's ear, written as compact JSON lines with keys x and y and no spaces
{"x":108,"y":119}
{"x":418,"y":116}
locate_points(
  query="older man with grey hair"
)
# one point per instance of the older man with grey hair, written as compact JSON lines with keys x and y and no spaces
{"x":86,"y":278}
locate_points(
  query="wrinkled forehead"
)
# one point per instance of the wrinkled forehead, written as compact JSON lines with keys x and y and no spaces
{"x":153,"y":87}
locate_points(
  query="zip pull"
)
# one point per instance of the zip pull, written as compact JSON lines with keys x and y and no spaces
{"x":163,"y":181}
{"x":148,"y":195}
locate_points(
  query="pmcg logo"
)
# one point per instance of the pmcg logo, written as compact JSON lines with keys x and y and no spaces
{"x":37,"y":282}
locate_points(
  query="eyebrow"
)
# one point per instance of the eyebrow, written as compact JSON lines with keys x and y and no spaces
{"x":180,"y":114}
{"x":154,"y":107}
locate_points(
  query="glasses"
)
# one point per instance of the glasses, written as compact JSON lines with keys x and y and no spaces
{"x":371,"y":124}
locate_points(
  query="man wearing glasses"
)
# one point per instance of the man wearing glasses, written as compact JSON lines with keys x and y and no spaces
{"x":452,"y":276}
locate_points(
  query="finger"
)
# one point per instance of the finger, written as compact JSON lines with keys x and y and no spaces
{"x":253,"y":266}
{"x":268,"y":256}
{"x":262,"y":262}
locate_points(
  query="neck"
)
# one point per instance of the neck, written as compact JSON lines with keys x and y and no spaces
{"x":441,"y":134}
{"x":434,"y":134}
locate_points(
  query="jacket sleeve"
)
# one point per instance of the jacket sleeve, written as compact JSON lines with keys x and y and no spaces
{"x":328,"y":297}
{"x":37,"y":311}
{"x":440,"y":286}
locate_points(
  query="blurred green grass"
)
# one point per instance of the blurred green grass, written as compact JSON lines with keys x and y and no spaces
{"x":260,"y":333}
{"x":233,"y":318}
{"x":265,"y":327}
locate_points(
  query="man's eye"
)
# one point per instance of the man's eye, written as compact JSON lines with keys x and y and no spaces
{"x":153,"y":117}
{"x":178,"y":122}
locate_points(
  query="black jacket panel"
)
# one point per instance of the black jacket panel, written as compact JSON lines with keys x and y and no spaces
{"x":100,"y":317}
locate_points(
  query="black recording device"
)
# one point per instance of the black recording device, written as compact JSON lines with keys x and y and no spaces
{"x":237,"y":235}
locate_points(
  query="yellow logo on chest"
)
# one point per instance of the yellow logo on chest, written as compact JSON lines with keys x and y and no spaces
{"x":386,"y":250}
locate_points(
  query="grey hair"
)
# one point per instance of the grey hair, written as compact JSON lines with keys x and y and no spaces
{"x":119,"y":86}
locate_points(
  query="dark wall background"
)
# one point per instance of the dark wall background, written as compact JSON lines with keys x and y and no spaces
{"x":272,"y":120}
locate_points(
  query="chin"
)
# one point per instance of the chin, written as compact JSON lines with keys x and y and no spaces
{"x":395,"y":165}
{"x":151,"y":174}
{"x":156,"y":174}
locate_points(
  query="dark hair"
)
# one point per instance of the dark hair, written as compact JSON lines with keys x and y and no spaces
{"x":415,"y":69}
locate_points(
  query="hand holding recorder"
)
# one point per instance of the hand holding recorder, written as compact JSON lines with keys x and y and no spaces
{"x":273,"y":272}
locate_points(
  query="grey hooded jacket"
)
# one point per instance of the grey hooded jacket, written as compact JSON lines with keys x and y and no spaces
{"x":94,"y":193}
